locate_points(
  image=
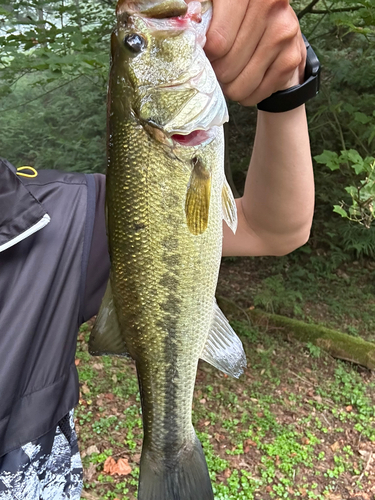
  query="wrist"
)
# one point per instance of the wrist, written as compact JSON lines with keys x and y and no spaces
{"x":283,"y":119}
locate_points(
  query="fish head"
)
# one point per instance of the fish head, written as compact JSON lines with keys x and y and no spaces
{"x":161,"y":74}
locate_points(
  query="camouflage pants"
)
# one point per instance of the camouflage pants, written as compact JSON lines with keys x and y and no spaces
{"x":48,"y":468}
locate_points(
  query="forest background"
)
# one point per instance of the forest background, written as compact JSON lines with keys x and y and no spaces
{"x":54,"y":61}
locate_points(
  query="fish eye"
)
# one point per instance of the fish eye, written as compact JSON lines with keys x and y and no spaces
{"x":135,"y":43}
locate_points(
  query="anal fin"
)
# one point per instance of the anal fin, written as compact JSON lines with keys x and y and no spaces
{"x":223,"y":349}
{"x":106,"y":335}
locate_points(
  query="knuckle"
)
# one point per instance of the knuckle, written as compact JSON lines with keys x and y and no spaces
{"x":287,"y":25}
{"x":293,"y":60}
{"x":288,"y":29}
{"x":233,"y":93}
{"x":218,"y":43}
{"x":272,"y":4}
{"x":240,"y":91}
{"x":281,"y":9}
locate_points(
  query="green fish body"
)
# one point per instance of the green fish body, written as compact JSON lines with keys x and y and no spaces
{"x":166,"y":200}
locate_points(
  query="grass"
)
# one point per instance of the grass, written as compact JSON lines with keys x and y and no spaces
{"x":298,"y":424}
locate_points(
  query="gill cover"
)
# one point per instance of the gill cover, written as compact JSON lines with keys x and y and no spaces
{"x":171,"y":82}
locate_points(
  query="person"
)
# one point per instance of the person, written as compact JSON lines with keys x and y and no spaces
{"x":54,"y":261}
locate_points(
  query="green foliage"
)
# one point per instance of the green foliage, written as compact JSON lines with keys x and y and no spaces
{"x":64,"y":130}
{"x":342,"y":121}
{"x":275,"y":298}
{"x":314,"y":350}
{"x":362,"y":192}
{"x":357,"y":240}
{"x":54,"y":59}
{"x":54,"y":39}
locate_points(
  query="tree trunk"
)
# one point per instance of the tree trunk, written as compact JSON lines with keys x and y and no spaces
{"x":338,"y":344}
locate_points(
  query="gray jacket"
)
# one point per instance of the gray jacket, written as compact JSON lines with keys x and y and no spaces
{"x":54,"y":267}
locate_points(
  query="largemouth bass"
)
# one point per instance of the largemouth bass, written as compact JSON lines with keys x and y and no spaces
{"x":166,"y":199}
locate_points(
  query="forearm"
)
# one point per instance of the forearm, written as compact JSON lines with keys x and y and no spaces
{"x":275,"y":213}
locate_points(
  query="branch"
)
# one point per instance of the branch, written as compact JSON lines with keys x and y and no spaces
{"x":41,"y":95}
{"x":343,"y":9}
{"x":307,"y":9}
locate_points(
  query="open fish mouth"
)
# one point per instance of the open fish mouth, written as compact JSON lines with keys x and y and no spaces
{"x":195,"y":138}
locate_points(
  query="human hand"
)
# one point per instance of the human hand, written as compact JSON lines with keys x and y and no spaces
{"x":256,"y":48}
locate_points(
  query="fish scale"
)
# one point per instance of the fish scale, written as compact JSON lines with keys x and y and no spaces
{"x":165,"y":204}
{"x":155,"y":314}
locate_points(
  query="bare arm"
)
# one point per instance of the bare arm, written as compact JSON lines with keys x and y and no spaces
{"x":256,"y":50}
{"x":275,"y":213}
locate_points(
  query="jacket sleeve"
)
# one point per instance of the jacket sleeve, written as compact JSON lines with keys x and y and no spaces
{"x":98,"y":264}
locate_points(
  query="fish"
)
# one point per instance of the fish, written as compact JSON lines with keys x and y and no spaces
{"x":166,"y":199}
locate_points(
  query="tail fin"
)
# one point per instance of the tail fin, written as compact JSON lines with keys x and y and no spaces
{"x":186,"y":479}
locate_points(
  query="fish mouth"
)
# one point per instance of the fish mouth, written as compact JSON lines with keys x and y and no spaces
{"x":195,"y":138}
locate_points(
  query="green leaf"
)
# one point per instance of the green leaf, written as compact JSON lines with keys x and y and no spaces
{"x":372,"y":135}
{"x":358,"y":168}
{"x":328,"y":158}
{"x":349,"y":108}
{"x":362,"y":118}
{"x":352,"y":190}
{"x":353,"y":156}
{"x":339,"y":210}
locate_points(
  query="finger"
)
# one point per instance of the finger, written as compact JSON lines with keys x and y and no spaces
{"x":267,"y":86}
{"x":267,"y":24}
{"x":272,"y":75}
{"x":226,"y":21}
{"x":229,"y":67}
{"x":253,"y":74}
{"x":245,"y":92}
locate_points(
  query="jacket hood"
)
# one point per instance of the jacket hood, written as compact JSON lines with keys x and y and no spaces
{"x":21,"y":214}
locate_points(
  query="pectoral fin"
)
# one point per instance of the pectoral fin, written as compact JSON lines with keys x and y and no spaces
{"x":229,"y":207}
{"x":198,"y":196}
{"x":106,"y":336}
{"x":223,"y":348}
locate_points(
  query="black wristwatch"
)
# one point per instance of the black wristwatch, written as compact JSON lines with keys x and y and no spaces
{"x":291,"y":98}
